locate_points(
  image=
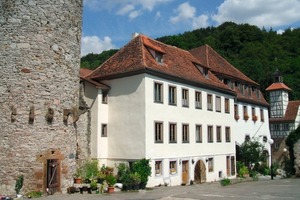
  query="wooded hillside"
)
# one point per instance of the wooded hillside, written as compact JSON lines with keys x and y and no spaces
{"x":257,"y":53}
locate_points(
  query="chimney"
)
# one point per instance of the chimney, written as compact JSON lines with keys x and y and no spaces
{"x":134,"y":35}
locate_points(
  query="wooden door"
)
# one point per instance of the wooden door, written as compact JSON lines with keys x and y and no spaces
{"x":200,"y":172}
{"x":185,"y":172}
{"x":52,"y":176}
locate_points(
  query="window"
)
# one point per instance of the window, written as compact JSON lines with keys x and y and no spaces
{"x":104,"y":96}
{"x":227,"y":106}
{"x":232,"y":165}
{"x":104,"y":130}
{"x":172,"y":133}
{"x":198,"y":100}
{"x":185,"y":133}
{"x":209,"y":102}
{"x":210,"y":136}
{"x":172,"y":95}
{"x":247,"y":138}
{"x":173,"y":167}
{"x":236,"y":112}
{"x":219,"y":134}
{"x":218,"y":104}
{"x":246,"y":116}
{"x":276,"y":127}
{"x":262,"y":118}
{"x":185,"y":98}
{"x":227,"y":134}
{"x":158,"y":168}
{"x":158,"y":132}
{"x":254,"y":117}
{"x":158,"y":57}
{"x":265,"y":139}
{"x":286,"y":127}
{"x":198,"y":133}
{"x":158,"y":92}
{"x":210,"y":164}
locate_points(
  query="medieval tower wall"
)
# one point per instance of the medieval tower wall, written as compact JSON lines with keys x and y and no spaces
{"x":39,"y":87}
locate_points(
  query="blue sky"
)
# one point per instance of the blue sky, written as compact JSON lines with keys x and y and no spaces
{"x":109,"y":24}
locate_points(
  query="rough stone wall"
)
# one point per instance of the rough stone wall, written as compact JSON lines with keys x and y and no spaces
{"x":297,"y":158}
{"x":39,"y":87}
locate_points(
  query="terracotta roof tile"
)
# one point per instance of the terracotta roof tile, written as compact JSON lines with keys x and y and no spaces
{"x":83,"y":72}
{"x":136,"y":55}
{"x":221,"y":67}
{"x":290,"y":114}
{"x":278,"y":86}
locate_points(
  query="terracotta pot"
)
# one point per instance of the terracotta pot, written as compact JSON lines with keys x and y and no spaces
{"x":110,"y":189}
{"x":78,"y":180}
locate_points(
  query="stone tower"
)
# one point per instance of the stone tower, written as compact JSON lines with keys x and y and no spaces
{"x":39,"y":87}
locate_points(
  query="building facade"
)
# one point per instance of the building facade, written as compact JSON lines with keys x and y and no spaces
{"x":168,"y":105}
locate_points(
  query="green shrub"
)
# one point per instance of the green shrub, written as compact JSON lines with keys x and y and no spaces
{"x":19,"y":184}
{"x":243,"y":170}
{"x":225,"y":181}
{"x":34,"y":194}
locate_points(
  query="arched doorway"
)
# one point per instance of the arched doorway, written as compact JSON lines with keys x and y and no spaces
{"x":200,"y":172}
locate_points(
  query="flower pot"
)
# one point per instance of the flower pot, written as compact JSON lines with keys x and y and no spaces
{"x":78,"y":180}
{"x":110,"y":189}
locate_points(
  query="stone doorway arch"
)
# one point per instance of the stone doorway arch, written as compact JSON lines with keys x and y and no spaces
{"x":200,"y":172}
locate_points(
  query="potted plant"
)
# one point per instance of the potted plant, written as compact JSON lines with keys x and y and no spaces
{"x":135,"y":180}
{"x":78,"y":175}
{"x":110,"y":180}
{"x":143,"y":168}
{"x":93,"y":185}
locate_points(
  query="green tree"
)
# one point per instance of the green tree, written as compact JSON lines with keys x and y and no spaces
{"x":251,"y":151}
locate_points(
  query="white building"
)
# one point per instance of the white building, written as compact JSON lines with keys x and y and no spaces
{"x":171,"y":106}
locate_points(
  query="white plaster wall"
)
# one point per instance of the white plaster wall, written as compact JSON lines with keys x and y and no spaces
{"x":92,"y":98}
{"x":102,"y":142}
{"x":126,"y":118}
{"x":178,"y":114}
{"x":256,"y":129}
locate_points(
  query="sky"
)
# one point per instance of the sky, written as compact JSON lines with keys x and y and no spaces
{"x":109,"y":24}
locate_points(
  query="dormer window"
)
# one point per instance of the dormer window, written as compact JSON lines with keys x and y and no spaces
{"x":203,"y":70}
{"x":158,"y":56}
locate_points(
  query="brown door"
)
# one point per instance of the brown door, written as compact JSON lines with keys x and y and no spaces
{"x":185,"y":172}
{"x":52,"y":176}
{"x":200,"y":172}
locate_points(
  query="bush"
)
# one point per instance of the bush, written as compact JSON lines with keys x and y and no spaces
{"x":243,"y":170}
{"x":225,"y":181}
{"x":34,"y":194}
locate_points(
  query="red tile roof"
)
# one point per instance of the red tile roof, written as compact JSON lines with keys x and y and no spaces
{"x":136,"y":56}
{"x":290,"y":113}
{"x":221,"y":67}
{"x":84,"y":72}
{"x":218,"y":64}
{"x":278,"y":86}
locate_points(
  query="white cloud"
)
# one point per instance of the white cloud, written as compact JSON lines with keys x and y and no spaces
{"x":134,"y":14}
{"x":200,"y":21}
{"x":93,"y":44}
{"x":132,"y":8}
{"x":262,"y":13}
{"x":126,"y":9}
{"x":187,"y":13}
{"x":184,"y":11}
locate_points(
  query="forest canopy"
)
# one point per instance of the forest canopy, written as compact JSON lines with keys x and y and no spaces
{"x":256,"y":52}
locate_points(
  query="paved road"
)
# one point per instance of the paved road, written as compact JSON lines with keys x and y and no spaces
{"x":279,"y":189}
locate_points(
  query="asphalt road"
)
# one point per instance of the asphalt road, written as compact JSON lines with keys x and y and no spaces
{"x":279,"y":189}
